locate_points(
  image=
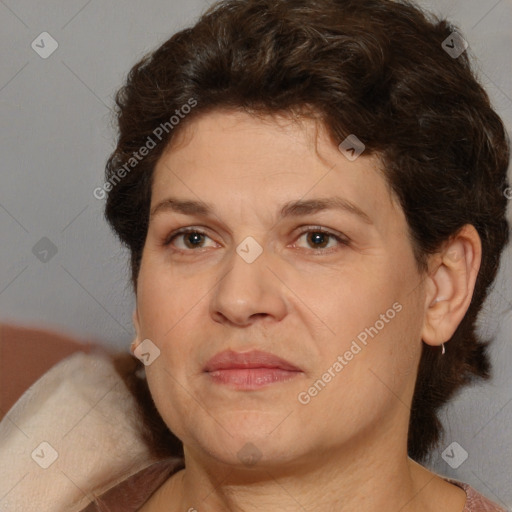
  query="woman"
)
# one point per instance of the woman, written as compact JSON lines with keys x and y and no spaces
{"x":312,"y":194}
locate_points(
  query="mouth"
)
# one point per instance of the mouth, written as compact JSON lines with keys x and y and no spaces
{"x":249,"y":370}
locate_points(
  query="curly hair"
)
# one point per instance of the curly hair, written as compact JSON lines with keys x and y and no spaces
{"x":375,"y":68}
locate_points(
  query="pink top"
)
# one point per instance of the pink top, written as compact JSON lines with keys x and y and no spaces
{"x":475,"y":502}
{"x":132,"y":493}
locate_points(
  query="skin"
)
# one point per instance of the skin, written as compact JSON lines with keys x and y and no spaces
{"x":346,"y":449}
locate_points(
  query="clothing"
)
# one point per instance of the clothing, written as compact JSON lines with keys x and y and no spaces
{"x":72,"y":443}
{"x":475,"y":502}
{"x":131,"y":494}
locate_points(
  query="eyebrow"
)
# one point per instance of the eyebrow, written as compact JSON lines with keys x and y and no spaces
{"x":291,"y":209}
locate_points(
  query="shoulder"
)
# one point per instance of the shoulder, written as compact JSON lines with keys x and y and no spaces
{"x":476,"y":502}
{"x":136,"y":490}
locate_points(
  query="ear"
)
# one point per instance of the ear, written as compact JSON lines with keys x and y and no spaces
{"x":136,"y":324}
{"x":450,"y":284}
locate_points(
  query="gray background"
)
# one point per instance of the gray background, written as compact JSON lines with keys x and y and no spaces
{"x":57,"y":133}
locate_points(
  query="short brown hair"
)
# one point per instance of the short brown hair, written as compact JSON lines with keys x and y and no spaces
{"x":373,"y":68}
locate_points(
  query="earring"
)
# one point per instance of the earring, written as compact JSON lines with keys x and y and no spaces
{"x":444,"y":350}
{"x":140,"y":373}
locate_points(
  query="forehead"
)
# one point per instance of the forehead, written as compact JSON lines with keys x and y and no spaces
{"x":232,"y":160}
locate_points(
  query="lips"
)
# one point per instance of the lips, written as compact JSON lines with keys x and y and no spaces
{"x":231,"y":360}
{"x":249,"y":371}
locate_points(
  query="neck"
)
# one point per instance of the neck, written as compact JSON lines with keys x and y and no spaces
{"x":366,"y":477}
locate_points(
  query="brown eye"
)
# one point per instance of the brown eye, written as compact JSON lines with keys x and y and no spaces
{"x":319,"y":239}
{"x":191,"y":239}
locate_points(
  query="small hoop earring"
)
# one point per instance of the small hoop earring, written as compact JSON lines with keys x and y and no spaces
{"x":444,"y":350}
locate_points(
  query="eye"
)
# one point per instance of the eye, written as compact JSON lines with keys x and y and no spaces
{"x":192,"y":239}
{"x":318,"y":238}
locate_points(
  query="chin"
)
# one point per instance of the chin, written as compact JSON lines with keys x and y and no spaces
{"x":253,"y":454}
{"x":248,"y":441}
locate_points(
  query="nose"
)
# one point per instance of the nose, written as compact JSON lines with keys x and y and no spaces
{"x":248,"y":291}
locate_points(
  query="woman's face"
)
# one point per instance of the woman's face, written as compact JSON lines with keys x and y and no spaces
{"x":334,"y":291}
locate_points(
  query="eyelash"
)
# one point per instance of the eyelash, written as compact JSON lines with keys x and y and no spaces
{"x":186,"y":231}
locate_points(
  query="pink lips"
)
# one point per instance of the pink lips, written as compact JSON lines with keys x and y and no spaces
{"x":249,"y":370}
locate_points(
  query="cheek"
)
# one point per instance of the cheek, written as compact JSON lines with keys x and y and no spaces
{"x":360,"y":383}
{"x":166,"y":313}
{"x":347,"y":302}
{"x":372,"y":318}
{"x":164,"y":300}
{"x":172,"y":401}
